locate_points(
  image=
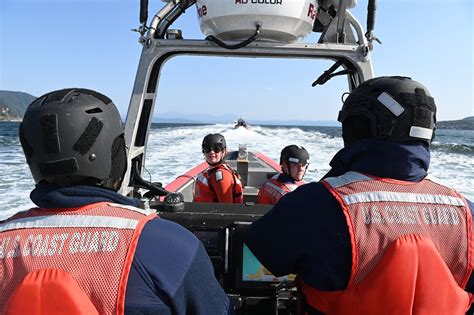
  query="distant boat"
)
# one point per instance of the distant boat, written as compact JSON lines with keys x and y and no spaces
{"x":241,"y":123}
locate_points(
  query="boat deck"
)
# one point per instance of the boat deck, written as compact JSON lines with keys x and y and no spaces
{"x":254,"y":169}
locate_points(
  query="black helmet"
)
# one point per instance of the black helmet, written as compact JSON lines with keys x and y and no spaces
{"x":74,"y":136}
{"x":213,"y":141}
{"x":395,"y":109}
{"x":294,"y":153}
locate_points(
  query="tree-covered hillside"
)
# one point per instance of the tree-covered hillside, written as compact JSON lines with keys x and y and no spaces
{"x":13,"y":104}
{"x":464,"y":124}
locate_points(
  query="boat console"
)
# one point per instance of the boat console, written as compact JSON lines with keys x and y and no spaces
{"x":221,"y":227}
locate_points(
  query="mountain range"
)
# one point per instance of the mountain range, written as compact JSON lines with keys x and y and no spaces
{"x":13,"y":105}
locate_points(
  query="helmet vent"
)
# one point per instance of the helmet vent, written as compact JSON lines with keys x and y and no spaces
{"x":95,"y":94}
{"x":94,"y":110}
{"x":88,"y":137}
{"x":49,"y":127}
{"x":56,"y":96}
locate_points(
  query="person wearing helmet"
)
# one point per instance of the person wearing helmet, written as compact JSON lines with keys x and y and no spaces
{"x":87,"y":249}
{"x":376,"y":235}
{"x":294,"y":161}
{"x":219,"y":182}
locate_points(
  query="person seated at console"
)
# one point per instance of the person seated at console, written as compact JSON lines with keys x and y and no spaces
{"x":294,"y":162}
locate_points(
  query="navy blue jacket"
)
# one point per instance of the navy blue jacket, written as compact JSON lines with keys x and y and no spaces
{"x":306,"y":233}
{"x":171,"y":272}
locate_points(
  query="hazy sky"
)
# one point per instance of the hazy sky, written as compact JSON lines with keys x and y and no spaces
{"x":48,"y":45}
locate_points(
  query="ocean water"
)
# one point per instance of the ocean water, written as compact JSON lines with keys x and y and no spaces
{"x":174,"y":148}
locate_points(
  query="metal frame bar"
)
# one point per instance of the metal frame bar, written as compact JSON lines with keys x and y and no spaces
{"x":157,"y":50}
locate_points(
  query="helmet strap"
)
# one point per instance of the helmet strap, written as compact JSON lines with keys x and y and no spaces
{"x":288,"y":170}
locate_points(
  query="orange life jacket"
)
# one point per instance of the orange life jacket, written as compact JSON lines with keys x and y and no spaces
{"x":412,"y":248}
{"x":218,"y":184}
{"x":68,"y":261}
{"x":272,"y":190}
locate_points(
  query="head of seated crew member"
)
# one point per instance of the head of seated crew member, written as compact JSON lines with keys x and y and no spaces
{"x":294,"y":162}
{"x":85,"y":242}
{"x":219,"y":182}
{"x":73,"y":137}
{"x":376,"y":235}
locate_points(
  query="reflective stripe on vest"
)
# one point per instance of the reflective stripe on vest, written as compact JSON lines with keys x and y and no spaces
{"x":68,"y":221}
{"x":95,"y":244}
{"x":412,"y":248}
{"x":377,"y":196}
{"x":202,"y":179}
{"x":272,"y":190}
{"x":279,"y":187}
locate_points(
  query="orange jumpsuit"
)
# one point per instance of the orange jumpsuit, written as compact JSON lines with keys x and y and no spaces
{"x":219,"y":183}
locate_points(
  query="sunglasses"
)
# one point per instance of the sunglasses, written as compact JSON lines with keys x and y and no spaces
{"x":216,"y":149}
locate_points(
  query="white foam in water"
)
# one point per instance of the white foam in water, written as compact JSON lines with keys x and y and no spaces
{"x":455,"y":171}
{"x":16,"y":181}
{"x":171,"y":151}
